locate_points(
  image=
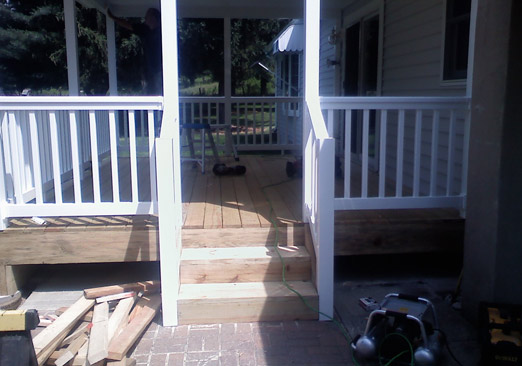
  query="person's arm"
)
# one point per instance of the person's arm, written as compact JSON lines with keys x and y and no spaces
{"x":121,"y":22}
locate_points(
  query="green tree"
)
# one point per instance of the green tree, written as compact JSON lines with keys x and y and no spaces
{"x":32,"y":38}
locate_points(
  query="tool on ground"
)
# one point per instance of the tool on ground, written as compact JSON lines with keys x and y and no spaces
{"x":404,"y":330}
{"x":16,"y":343}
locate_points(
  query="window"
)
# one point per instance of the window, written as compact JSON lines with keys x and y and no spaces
{"x":457,"y":39}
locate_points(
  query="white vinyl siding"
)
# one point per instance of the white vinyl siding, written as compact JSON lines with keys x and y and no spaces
{"x":412,"y":64}
{"x":326,"y":52}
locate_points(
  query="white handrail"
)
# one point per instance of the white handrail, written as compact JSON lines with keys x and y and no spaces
{"x":80,"y":103}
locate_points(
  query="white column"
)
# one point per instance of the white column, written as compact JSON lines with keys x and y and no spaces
{"x":71,"y":41}
{"x":111,"y":56}
{"x":228,"y":71}
{"x":471,"y":46}
{"x":325,"y":167}
{"x":168,"y":168}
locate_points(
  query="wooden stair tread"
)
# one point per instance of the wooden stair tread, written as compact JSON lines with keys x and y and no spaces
{"x":205,"y":254}
{"x":245,"y":290}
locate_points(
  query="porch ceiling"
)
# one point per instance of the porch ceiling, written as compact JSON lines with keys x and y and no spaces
{"x":219,"y":8}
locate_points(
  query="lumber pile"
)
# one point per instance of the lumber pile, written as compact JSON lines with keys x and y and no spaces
{"x":100,"y":328}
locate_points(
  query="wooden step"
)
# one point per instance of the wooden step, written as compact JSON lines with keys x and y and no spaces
{"x":240,"y":237}
{"x":245,"y":302}
{"x":243,"y":264}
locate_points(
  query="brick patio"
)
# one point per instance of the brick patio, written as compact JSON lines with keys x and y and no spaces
{"x":238,"y":344}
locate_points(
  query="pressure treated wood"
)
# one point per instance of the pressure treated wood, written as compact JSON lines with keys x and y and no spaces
{"x":119,"y":346}
{"x":244,"y":302}
{"x":243,"y":264}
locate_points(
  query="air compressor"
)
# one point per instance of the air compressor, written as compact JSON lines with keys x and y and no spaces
{"x":401,"y":330}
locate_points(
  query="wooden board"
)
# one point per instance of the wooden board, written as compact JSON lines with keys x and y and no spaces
{"x":213,"y":215}
{"x":144,"y":286}
{"x":244,"y":302}
{"x":230,"y":207}
{"x":397,"y":231}
{"x":120,"y":317}
{"x":234,"y":237}
{"x":120,"y":345}
{"x":247,"y":211}
{"x":99,"y":338}
{"x":53,"y":335}
{"x":243,"y":264}
{"x":64,"y":246}
{"x":196,"y":209}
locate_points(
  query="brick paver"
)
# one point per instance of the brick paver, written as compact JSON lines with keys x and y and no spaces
{"x":304,"y":343}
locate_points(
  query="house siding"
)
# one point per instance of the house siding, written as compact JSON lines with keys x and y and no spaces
{"x":411,"y":66}
{"x":326,"y":52}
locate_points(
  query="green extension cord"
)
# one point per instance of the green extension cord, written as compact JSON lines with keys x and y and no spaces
{"x":305,"y":302}
{"x":285,"y":283}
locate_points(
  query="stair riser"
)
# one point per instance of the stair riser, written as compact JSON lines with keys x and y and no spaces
{"x":229,"y":271}
{"x":222,"y":238}
{"x":245,"y":310}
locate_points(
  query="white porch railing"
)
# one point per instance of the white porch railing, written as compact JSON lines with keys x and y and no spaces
{"x":417,"y":147}
{"x":77,"y":155}
{"x":255,"y":123}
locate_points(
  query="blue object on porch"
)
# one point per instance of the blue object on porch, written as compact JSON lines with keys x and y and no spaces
{"x":204,"y":130}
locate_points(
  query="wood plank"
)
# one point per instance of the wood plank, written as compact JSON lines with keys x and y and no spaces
{"x":108,"y":298}
{"x":99,"y":338}
{"x":120,"y":317}
{"x":82,"y":328}
{"x":60,"y":327}
{"x":64,"y":247}
{"x":86,"y":318}
{"x":71,"y":350}
{"x":279,"y":207}
{"x":145,"y":287}
{"x":238,"y":237}
{"x":243,"y":264}
{"x":121,"y":344}
{"x":196,"y":209}
{"x":258,"y":198}
{"x":244,"y":302}
{"x":124,"y":362}
{"x":230,"y":207}
{"x":213,"y":215}
{"x":247,"y":211}
{"x":187,"y":187}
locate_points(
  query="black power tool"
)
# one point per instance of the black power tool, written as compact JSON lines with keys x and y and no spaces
{"x":404,"y":329}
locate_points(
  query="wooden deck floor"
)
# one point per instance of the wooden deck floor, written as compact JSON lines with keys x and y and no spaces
{"x":211,"y":201}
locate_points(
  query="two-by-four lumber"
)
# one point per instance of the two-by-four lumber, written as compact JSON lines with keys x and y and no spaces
{"x":71,"y":350}
{"x":123,"y":295}
{"x":120,"y":317}
{"x":86,"y":318}
{"x":124,"y":362}
{"x":146,"y":287}
{"x":54,"y":334}
{"x":82,"y":328}
{"x":99,"y":339}
{"x":120,"y":345}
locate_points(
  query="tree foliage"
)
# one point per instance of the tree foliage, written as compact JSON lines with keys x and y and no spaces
{"x":33,"y":53}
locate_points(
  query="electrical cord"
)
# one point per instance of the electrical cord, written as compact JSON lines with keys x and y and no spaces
{"x":445,"y":340}
{"x":410,"y":350}
{"x":285,"y":283}
{"x":340,"y":326}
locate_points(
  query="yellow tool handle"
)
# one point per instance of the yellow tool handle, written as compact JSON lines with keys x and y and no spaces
{"x":18,"y":320}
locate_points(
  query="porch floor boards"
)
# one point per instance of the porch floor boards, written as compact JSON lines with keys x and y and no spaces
{"x":235,"y":201}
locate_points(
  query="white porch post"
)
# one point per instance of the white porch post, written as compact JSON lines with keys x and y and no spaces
{"x":168,"y":168}
{"x":227,"y":37}
{"x":325,"y":176}
{"x":111,"y":56}
{"x":71,"y":42}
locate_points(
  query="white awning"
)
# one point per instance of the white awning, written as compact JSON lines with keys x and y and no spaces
{"x":290,"y":40}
